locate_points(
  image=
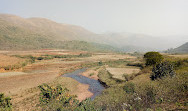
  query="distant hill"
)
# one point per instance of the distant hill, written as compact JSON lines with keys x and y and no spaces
{"x":17,"y":33}
{"x":142,"y":42}
{"x":181,"y":49}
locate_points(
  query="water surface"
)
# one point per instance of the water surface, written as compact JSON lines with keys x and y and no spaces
{"x":94,"y":85}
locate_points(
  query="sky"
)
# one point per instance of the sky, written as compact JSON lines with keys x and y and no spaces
{"x":152,"y":17}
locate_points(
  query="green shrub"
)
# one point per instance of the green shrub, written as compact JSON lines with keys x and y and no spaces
{"x":100,"y":63}
{"x":153,"y":58}
{"x":161,"y":70}
{"x":58,"y":99}
{"x":5,"y":103}
{"x":49,"y":93}
{"x":40,"y":58}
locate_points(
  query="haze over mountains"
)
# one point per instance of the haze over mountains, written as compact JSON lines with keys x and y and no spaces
{"x":181,"y":49}
{"x":31,"y":33}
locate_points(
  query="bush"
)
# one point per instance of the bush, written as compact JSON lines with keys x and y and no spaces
{"x":153,"y":58}
{"x":58,"y":99}
{"x":5,"y":103}
{"x":40,"y":58}
{"x":161,"y":70}
{"x":49,"y":93}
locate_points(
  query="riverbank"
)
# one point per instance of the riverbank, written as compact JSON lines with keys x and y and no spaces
{"x":94,"y":85}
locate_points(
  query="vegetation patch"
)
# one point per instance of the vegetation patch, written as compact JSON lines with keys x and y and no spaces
{"x":153,"y":58}
{"x":58,"y":99}
{"x":5,"y":104}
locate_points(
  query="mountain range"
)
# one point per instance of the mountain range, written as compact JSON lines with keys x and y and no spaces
{"x":36,"y":33}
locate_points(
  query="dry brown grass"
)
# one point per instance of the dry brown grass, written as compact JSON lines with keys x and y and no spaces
{"x":92,"y":73}
{"x":106,"y":57}
{"x":178,"y":55}
{"x":6,"y":60}
{"x":119,"y":72}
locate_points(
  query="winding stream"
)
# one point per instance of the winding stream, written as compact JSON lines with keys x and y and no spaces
{"x":94,"y":86}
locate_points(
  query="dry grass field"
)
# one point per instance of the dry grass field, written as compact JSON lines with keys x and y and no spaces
{"x":119,"y":72}
{"x":106,"y":57}
{"x":7,"y":60}
{"x":180,"y":56}
{"x":21,"y":85}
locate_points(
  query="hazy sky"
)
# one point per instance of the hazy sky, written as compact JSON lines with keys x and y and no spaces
{"x":154,"y":17}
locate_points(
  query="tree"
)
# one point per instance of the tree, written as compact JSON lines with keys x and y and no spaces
{"x":152,"y":58}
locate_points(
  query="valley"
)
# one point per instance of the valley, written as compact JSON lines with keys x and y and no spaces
{"x":20,"y":83}
{"x":51,"y":66}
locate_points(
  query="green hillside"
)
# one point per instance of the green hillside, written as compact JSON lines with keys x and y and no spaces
{"x":17,"y":33}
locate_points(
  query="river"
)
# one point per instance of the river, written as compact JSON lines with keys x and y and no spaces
{"x":94,"y":85}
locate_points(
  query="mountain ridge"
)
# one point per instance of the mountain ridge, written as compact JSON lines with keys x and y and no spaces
{"x":181,"y":49}
{"x":16,"y":28}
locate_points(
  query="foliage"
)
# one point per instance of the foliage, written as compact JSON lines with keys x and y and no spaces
{"x":40,"y":58}
{"x":5,"y":103}
{"x":161,"y":70}
{"x":167,"y":93}
{"x":153,"y":58}
{"x":58,"y":99}
{"x":49,"y":93}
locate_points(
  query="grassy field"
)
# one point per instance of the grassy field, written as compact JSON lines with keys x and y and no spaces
{"x":141,"y":93}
